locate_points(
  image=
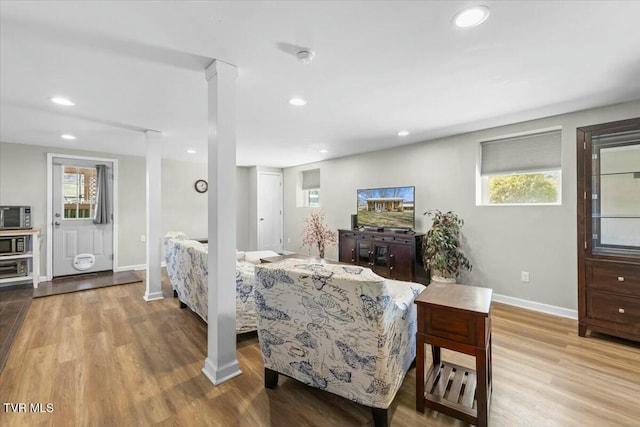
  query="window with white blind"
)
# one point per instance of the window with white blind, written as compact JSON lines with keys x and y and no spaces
{"x":521,"y":169}
{"x":309,"y":186}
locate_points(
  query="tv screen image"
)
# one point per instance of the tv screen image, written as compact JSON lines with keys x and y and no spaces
{"x":391,"y":207}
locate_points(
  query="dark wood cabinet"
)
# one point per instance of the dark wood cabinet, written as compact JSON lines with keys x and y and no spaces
{"x":609,"y":228}
{"x":392,"y":255}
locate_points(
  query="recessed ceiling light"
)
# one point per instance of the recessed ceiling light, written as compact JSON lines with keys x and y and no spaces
{"x":298,"y":101}
{"x":67,"y":136}
{"x":403,"y":133}
{"x":190,"y":151}
{"x":324,"y":151}
{"x":62,"y":101}
{"x":471,"y":16}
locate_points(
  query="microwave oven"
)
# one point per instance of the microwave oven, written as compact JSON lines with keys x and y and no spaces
{"x":15,"y":217}
{"x":13,"y":268}
{"x":12,"y":245}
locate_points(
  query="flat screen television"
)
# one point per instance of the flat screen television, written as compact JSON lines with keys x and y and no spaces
{"x":387,"y":208}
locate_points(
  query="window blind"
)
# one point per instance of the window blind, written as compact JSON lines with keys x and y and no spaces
{"x":525,"y":153}
{"x":311,"y":179}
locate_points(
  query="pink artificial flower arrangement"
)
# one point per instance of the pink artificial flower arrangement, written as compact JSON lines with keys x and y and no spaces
{"x":317,"y":233}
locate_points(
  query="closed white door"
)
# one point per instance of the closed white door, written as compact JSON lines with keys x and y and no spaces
{"x":79,"y":244}
{"x":270,"y":211}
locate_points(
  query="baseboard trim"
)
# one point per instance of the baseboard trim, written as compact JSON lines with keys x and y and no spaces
{"x":219,"y":374}
{"x":154,"y":296}
{"x":130,"y":267}
{"x":135,"y":267}
{"x":536,"y":306}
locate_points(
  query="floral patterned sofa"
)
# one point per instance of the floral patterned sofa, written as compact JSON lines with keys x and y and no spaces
{"x":186,"y":262}
{"x":339,"y":328}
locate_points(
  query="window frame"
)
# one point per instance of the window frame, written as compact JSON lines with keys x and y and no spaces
{"x":482,"y":181}
{"x":306,"y":190}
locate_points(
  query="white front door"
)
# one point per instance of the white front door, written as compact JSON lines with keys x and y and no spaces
{"x":79,"y":244}
{"x":270,"y":211}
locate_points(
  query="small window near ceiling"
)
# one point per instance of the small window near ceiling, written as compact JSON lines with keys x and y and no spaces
{"x":521,"y":170}
{"x":309,"y":188}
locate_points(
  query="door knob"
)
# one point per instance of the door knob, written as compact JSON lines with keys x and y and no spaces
{"x":57,"y":223}
{"x":57,"y":215}
{"x":261,"y":219}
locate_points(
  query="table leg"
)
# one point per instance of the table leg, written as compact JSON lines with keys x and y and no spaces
{"x":482,"y":386}
{"x":420,"y":373}
{"x":490,"y":379}
{"x":435,"y":355}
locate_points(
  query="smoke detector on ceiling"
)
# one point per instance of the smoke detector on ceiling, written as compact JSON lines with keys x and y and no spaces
{"x":305,"y":56}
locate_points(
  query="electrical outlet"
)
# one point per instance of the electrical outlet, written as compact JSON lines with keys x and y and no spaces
{"x":288,"y":239}
{"x":524,"y":276}
{"x":143,"y":238}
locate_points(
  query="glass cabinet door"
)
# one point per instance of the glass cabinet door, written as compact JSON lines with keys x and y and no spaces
{"x":364,"y":252}
{"x":615,"y":194}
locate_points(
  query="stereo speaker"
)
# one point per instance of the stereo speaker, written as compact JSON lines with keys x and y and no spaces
{"x":354,"y":221}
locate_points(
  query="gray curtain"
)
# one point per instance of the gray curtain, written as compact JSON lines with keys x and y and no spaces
{"x":103,"y":196}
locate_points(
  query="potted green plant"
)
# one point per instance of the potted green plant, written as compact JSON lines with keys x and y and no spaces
{"x":441,"y":247}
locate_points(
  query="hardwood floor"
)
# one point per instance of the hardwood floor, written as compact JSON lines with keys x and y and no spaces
{"x":82,"y":282}
{"x":106,"y":357}
{"x":15,"y":300}
{"x":14,"y":305}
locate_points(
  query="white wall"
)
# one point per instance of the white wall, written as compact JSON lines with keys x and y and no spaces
{"x":23,"y":181}
{"x":501,"y":241}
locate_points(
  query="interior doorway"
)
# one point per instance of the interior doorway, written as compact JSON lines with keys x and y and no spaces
{"x":270,"y":211}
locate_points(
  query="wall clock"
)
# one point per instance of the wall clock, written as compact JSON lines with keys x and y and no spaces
{"x":201,"y":186}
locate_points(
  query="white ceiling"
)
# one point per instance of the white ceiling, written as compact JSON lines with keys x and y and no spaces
{"x":379,"y":67}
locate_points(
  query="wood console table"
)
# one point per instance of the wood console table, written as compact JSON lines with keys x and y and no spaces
{"x":458,"y":318}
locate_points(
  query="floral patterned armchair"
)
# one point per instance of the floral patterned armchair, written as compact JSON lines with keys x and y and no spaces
{"x":339,"y":328}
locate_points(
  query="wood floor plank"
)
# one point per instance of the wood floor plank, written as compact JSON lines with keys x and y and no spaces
{"x":106,"y":357}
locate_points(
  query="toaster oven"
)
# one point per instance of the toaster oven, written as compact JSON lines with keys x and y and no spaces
{"x":13,"y":268}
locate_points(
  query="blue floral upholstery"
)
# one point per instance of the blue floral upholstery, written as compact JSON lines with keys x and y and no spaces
{"x":339,"y":328}
{"x":171,"y":254}
{"x":187,"y":270}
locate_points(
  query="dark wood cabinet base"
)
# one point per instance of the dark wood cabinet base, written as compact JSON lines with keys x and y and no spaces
{"x":392,"y":255}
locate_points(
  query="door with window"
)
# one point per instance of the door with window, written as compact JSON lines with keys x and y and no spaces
{"x":82,"y":216}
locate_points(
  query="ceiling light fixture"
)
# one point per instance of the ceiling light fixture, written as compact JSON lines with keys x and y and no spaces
{"x":191,"y":151}
{"x":403,"y":133}
{"x":62,"y":101}
{"x":471,"y":17}
{"x":305,"y":56}
{"x":67,"y":136}
{"x":297,"y":101}
{"x":323,"y":151}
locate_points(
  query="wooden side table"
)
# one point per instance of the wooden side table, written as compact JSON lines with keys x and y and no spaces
{"x":458,"y":318}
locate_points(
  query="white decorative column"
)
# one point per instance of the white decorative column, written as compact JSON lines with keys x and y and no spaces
{"x":154,"y":217}
{"x":221,"y":363}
